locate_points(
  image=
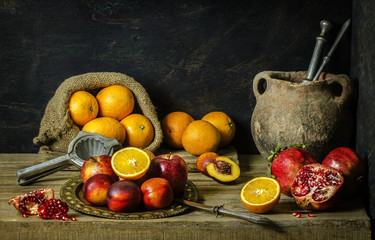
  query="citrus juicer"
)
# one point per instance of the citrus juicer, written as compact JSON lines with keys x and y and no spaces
{"x":81,"y":148}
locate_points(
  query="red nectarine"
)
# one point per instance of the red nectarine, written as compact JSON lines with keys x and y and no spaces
{"x":124,"y":196}
{"x":157,"y":193}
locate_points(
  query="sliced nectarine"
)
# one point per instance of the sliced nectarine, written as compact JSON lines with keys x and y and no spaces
{"x":204,"y":159}
{"x":223,"y":169}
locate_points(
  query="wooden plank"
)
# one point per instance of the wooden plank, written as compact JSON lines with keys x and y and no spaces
{"x":346,"y":221}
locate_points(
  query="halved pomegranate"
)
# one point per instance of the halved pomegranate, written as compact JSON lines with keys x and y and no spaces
{"x":286,"y":165}
{"x":29,"y":203}
{"x":317,"y":186}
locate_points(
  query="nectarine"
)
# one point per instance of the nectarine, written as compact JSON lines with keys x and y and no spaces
{"x":96,"y":187}
{"x":124,"y":196}
{"x":157,"y":193}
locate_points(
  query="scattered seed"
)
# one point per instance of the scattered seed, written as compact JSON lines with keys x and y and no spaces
{"x":73,"y":218}
{"x":299,"y":215}
{"x":295,"y":214}
{"x":24,"y":215}
{"x":310,"y":215}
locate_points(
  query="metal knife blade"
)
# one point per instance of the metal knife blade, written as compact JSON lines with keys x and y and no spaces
{"x":220,"y":210}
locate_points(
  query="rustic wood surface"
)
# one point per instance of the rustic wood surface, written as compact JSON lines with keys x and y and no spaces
{"x":348,"y":220}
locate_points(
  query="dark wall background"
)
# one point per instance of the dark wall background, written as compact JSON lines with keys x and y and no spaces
{"x":192,"y":56}
{"x":363,"y":70}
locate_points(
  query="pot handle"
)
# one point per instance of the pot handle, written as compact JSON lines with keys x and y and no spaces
{"x":260,"y":84}
{"x":342,"y":89}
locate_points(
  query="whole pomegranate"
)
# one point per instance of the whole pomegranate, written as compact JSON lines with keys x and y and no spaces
{"x":317,"y":186}
{"x":29,"y":203}
{"x":348,"y":163}
{"x":286,"y":165}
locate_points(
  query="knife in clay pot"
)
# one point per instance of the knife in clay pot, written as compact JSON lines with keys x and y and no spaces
{"x":220,"y":210}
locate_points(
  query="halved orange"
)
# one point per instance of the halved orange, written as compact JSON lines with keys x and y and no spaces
{"x":130,"y":163}
{"x":261,"y":194}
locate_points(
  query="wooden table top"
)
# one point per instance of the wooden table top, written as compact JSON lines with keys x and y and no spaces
{"x":348,"y":220}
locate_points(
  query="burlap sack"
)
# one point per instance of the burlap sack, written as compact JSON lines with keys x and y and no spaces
{"x":57,"y":129}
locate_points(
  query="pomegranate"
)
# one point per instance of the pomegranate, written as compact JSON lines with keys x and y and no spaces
{"x":286,"y":164}
{"x":29,"y":203}
{"x":54,"y":209}
{"x":348,"y":163}
{"x":317,"y":186}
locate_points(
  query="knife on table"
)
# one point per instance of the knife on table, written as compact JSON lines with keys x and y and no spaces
{"x":220,"y":210}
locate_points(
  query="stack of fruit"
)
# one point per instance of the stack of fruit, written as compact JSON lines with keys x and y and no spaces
{"x":133,"y":179}
{"x":110,"y":113}
{"x":182,"y":131}
{"x":202,"y":138}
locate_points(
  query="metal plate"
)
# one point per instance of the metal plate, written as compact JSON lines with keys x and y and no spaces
{"x":71,"y":193}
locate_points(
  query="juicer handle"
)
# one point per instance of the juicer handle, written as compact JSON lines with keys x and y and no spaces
{"x":30,"y":174}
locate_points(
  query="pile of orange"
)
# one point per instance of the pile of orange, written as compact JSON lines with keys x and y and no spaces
{"x":110,"y":113}
{"x":182,"y":131}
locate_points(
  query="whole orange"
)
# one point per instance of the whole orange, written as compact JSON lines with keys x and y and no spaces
{"x":224,"y":124}
{"x":106,"y":126}
{"x":115,"y":101}
{"x":139,"y":130}
{"x":200,"y":137}
{"x":173,"y":126}
{"x":83,"y":107}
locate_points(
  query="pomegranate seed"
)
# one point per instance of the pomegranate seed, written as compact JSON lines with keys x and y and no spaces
{"x":310,"y":215}
{"x":299,"y":215}
{"x":295,"y":214}
{"x":73,"y":218}
{"x":24,"y":215}
{"x":54,"y":209}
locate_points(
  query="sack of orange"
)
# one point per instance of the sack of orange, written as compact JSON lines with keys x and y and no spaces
{"x":182,"y":131}
{"x":110,"y":113}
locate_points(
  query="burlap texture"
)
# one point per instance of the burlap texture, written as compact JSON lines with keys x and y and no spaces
{"x":57,"y":129}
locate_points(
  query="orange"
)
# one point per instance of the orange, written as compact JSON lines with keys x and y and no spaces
{"x":139,"y":130}
{"x":106,"y":126}
{"x":83,"y":107}
{"x":130,"y":163}
{"x":224,"y":124}
{"x":115,"y":101}
{"x":200,"y":137}
{"x":173,"y":126}
{"x":261,"y":194}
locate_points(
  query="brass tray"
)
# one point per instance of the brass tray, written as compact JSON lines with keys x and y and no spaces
{"x":71,"y":193}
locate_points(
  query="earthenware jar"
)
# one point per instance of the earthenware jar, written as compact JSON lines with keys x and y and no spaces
{"x":290,"y":111}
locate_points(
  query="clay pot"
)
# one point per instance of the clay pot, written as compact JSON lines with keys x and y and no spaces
{"x":289,"y":111}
